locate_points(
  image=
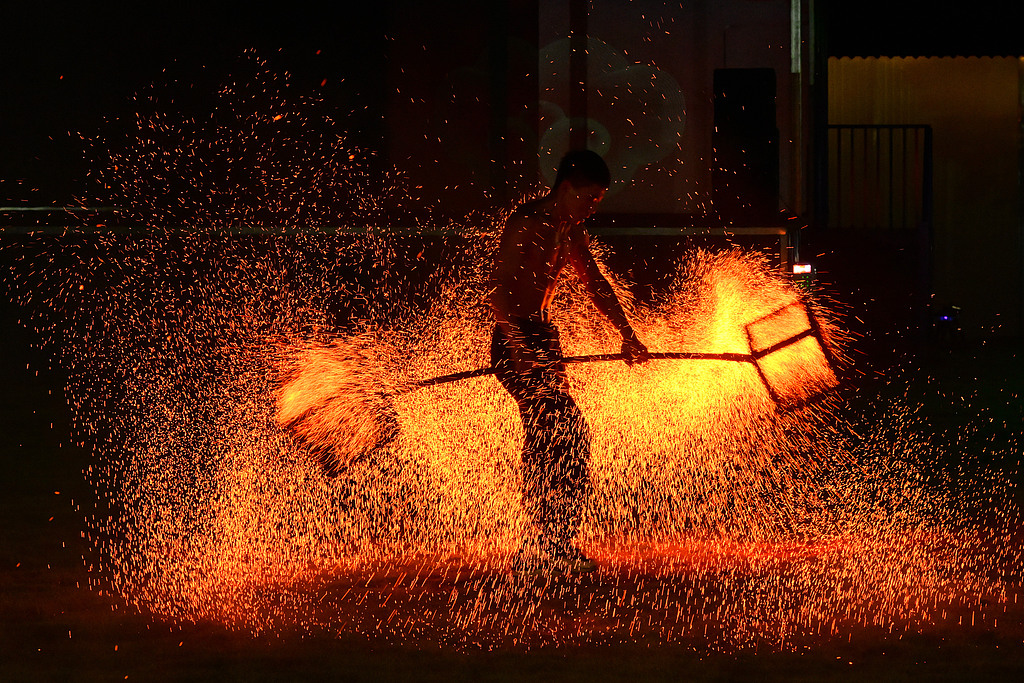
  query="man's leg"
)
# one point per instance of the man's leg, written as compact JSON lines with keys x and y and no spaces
{"x":522,"y":384}
{"x":556,"y":448}
{"x":556,"y":472}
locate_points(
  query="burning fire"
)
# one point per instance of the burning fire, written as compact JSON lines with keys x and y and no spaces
{"x":720,"y":514}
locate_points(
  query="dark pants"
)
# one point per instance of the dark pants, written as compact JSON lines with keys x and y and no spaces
{"x":556,"y":449}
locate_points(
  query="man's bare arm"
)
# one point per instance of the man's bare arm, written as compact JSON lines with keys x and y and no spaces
{"x":602,"y":293}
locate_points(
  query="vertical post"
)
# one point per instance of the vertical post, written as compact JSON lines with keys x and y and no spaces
{"x":819,"y":97}
{"x":865,"y":200}
{"x":498,"y":57}
{"x":798,"y":82}
{"x":889,"y":223}
{"x":512,"y":56}
{"x":1020,"y":190}
{"x":906,"y":194}
{"x":927,"y":238}
{"x":837,"y":211}
{"x":927,"y":196}
{"x":851,"y":165}
{"x":578,"y":15}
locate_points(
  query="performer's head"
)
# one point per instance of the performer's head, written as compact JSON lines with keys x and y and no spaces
{"x":583,"y":167}
{"x":580,"y":184}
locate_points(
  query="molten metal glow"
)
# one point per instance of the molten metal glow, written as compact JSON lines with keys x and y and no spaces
{"x":718,"y":516}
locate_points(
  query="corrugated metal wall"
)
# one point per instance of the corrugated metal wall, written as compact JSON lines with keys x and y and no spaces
{"x":974,"y":108}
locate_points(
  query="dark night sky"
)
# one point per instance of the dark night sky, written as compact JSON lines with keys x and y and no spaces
{"x":66,"y":65}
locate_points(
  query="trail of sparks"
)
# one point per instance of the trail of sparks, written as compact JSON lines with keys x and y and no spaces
{"x":717,"y":518}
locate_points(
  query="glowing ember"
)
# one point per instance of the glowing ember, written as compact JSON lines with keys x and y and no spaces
{"x":717,"y":517}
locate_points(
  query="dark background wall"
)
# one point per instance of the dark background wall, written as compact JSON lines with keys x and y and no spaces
{"x":472,"y":98}
{"x":66,"y":66}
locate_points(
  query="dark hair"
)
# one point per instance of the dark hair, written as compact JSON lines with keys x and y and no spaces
{"x":583,"y":167}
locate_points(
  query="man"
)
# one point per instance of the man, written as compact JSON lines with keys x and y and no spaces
{"x":540,"y":239}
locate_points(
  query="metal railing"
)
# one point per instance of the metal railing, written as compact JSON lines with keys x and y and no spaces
{"x":880,"y":177}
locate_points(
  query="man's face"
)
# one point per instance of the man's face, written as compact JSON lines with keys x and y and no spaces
{"x":582,"y":200}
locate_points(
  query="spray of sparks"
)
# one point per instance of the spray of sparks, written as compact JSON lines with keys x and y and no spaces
{"x":718,"y":518}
